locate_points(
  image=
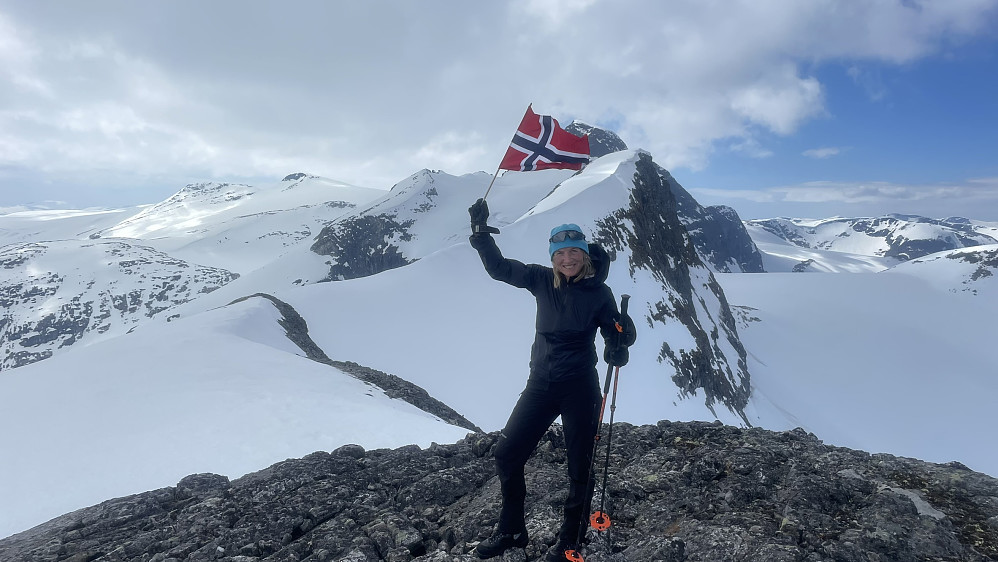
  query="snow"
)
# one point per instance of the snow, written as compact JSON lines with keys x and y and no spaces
{"x":230,"y":394}
{"x":878,"y":362}
{"x":862,"y":351}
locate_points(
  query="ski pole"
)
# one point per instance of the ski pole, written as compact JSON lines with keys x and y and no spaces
{"x":599,"y":519}
{"x":574,"y":555}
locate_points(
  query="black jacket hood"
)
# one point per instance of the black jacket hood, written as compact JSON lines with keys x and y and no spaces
{"x":601,"y":262}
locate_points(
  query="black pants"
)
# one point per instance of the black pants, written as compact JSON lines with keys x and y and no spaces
{"x":577,"y":402}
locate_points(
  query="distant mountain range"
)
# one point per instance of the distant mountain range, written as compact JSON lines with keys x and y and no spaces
{"x":309,"y":268}
{"x":901,"y":237}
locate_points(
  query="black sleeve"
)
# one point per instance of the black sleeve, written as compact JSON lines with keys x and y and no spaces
{"x":608,"y":318}
{"x":503,"y":269}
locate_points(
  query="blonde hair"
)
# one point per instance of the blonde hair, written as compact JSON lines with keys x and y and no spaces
{"x":587,"y":270}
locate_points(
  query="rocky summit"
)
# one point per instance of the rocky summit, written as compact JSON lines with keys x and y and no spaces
{"x":689,"y":491}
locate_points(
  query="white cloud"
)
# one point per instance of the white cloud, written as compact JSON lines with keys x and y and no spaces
{"x":822,"y":153}
{"x":975,"y":198}
{"x":359,"y":90}
{"x":780,"y":102}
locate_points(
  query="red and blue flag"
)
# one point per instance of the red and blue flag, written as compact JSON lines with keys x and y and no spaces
{"x":541,"y":144}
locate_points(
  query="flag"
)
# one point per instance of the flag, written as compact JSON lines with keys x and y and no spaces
{"x":541,"y":144}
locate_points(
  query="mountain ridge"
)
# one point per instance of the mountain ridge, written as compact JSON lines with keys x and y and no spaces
{"x":677,"y":492}
{"x":827,"y":353}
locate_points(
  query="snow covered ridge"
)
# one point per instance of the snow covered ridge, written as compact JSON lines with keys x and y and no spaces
{"x":969,"y":270}
{"x":58,"y":294}
{"x":879,"y":361}
{"x":629,"y":204}
{"x":902,"y":237}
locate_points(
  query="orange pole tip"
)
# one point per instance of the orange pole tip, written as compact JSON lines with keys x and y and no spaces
{"x":599,"y":521}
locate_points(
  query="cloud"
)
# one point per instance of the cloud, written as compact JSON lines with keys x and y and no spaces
{"x":822,"y":153}
{"x":363,"y":91}
{"x":973,"y":198}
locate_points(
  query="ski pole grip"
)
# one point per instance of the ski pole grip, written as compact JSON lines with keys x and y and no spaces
{"x":623,"y":312}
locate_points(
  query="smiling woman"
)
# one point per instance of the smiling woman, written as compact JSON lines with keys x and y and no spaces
{"x":573,"y":302}
{"x":570,"y":254}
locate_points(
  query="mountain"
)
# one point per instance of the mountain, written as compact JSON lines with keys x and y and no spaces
{"x":675,"y":492}
{"x":404,"y":322}
{"x":424,"y":219}
{"x":58,"y":293}
{"x":92,"y":279}
{"x":900,"y":237}
{"x":716,"y":231}
{"x":408,"y":338}
{"x":241,"y":227}
{"x":229,"y":390}
{"x":967,"y":270}
{"x":601,"y":141}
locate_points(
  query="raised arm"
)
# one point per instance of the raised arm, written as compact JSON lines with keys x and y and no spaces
{"x":498,"y":267}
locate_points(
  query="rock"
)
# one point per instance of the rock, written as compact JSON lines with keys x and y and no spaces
{"x":677,"y":492}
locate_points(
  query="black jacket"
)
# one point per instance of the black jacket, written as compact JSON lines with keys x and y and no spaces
{"x":567,"y":318}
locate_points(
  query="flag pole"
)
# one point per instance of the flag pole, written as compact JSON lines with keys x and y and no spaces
{"x":495,"y":175}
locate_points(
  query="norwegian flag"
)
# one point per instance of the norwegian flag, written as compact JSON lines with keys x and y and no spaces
{"x":541,"y":144}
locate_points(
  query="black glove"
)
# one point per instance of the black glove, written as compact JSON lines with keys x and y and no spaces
{"x":616,"y":355}
{"x":629,"y":334}
{"x":479,"y":217}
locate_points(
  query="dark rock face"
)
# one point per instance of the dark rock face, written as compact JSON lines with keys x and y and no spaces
{"x":717,"y":232}
{"x":985,"y":260}
{"x":601,"y":141}
{"x":802,"y":266}
{"x":660,"y":244}
{"x":676,"y":492}
{"x":296,"y":330}
{"x":80,"y":303}
{"x":363,"y":245}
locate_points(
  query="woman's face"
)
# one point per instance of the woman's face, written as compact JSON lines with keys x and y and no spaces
{"x":568,"y":261}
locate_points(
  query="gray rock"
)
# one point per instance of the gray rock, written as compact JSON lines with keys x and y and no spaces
{"x":661,"y":245}
{"x":677,"y":492}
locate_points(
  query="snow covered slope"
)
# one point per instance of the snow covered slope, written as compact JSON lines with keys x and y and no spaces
{"x":41,"y":225}
{"x":413,"y":320}
{"x":224,"y":391}
{"x":781,"y":255}
{"x":61,"y":293}
{"x":240,"y":227}
{"x":902,"y":237}
{"x":969,"y":270}
{"x":881,"y":362}
{"x":886,"y":358}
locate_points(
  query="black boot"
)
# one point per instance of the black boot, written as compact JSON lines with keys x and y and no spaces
{"x":500,"y":542}
{"x":557,"y":552}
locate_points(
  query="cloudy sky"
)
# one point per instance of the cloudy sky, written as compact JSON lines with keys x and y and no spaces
{"x":774,"y":107}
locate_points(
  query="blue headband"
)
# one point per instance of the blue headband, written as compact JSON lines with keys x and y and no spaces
{"x":567,"y":236}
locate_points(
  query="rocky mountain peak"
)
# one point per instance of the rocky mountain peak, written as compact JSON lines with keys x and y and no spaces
{"x":651,"y":229}
{"x":601,"y":141}
{"x":676,"y":492}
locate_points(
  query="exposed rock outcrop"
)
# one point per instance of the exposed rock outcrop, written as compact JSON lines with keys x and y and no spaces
{"x":677,"y":492}
{"x":651,"y":229}
{"x":393,"y":386}
{"x":49,"y":305}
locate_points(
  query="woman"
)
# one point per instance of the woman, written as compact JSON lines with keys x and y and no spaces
{"x":573,"y":300}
